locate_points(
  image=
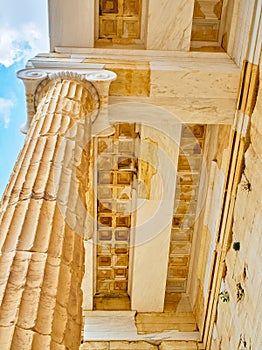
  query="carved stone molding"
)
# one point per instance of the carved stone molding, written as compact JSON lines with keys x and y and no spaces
{"x":102,"y":81}
{"x":36,"y":82}
{"x":31,"y":79}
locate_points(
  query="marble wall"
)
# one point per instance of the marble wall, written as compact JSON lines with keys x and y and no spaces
{"x":238,"y":322}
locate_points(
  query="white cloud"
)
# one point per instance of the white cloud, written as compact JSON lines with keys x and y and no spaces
{"x":23,"y":30}
{"x":18,"y":45}
{"x":5,"y":111}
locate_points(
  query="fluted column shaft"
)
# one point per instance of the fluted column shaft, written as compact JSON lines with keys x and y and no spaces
{"x":42,"y":219}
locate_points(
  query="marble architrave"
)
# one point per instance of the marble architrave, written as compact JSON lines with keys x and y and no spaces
{"x":194,"y":87}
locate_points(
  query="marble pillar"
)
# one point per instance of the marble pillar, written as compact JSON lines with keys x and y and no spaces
{"x":43,"y":218}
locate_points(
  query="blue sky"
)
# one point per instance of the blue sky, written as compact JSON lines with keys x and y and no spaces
{"x":23,"y":34}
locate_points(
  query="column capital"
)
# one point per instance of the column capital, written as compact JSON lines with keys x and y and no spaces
{"x":36,"y":79}
{"x":31,"y":79}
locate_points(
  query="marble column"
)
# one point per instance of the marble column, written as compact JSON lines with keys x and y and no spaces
{"x":42,"y":223}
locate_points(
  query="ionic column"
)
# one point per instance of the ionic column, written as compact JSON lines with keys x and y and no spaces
{"x":43,"y":220}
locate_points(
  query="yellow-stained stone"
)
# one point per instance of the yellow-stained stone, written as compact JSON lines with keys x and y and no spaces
{"x":6,"y":335}
{"x":172,"y":319}
{"x":14,"y":288}
{"x":198,"y":13}
{"x":146,"y":172}
{"x":56,"y":346}
{"x":6,"y":260}
{"x":30,"y":298}
{"x":59,"y":324}
{"x":169,"y":345}
{"x":41,"y":342}
{"x":218,"y":8}
{"x":22,"y":338}
{"x":133,"y":77}
{"x":203,"y":30}
{"x":92,"y":345}
{"x":139,"y":345}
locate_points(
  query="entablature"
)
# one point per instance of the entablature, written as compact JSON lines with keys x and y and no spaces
{"x":197,"y":87}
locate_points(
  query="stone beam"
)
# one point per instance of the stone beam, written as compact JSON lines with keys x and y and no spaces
{"x":174,"y":22}
{"x":187,"y":110}
{"x":193,"y":91}
{"x":195,"y":87}
{"x":71,"y":24}
{"x":155,"y":200}
{"x":194,"y":79}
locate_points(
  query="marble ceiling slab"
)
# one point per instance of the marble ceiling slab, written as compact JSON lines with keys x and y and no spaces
{"x":174,"y":19}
